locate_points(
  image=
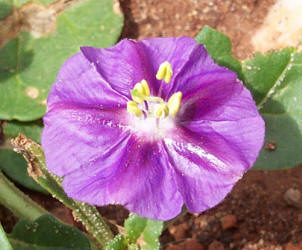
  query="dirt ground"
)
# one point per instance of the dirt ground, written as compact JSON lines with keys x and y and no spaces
{"x":264,"y":209}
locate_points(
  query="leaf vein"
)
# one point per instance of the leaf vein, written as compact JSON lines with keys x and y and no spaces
{"x":277,"y":83}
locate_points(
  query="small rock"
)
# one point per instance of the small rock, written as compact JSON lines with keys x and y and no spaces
{"x":299,"y":217}
{"x":203,"y":223}
{"x":174,"y":247}
{"x":229,"y":221}
{"x":179,"y":231}
{"x":237,"y":236}
{"x":293,"y":197}
{"x":291,"y":246}
{"x":192,"y":244}
{"x":261,"y":246}
{"x":216,"y":245}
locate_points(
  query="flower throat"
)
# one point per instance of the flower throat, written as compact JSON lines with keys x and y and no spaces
{"x":144,"y":105}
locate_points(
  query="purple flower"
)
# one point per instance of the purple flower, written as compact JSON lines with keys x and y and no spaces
{"x":151,"y":125}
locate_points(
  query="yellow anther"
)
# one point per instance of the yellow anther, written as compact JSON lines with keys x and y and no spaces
{"x":140,"y":91}
{"x":164,"y":72}
{"x":162,"y":110}
{"x":174,"y":103}
{"x":145,"y":87}
{"x":137,"y":96}
{"x":132,"y":108}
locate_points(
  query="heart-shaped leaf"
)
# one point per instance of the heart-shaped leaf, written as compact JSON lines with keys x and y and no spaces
{"x":14,"y":164}
{"x":15,"y":167}
{"x":31,"y":130}
{"x":45,"y":36}
{"x":275,"y":80}
{"x":5,"y":8}
{"x":47,"y":233}
{"x":219,"y":47}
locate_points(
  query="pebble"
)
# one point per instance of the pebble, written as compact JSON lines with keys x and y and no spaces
{"x":216,"y":245}
{"x":228,"y":221}
{"x":179,"y":231}
{"x":300,"y":217}
{"x":192,"y":244}
{"x":293,"y":197}
{"x":174,"y":247}
{"x":291,"y":246}
{"x":261,"y":246}
{"x":202,"y":221}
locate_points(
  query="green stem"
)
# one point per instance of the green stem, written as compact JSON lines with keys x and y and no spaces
{"x":17,"y":202}
{"x":21,"y":205}
{"x":4,"y":243}
{"x":88,"y":215}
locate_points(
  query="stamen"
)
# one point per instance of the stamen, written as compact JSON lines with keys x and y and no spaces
{"x":155,"y":99}
{"x":146,"y":105}
{"x":162,"y":110}
{"x":164,"y":72}
{"x":137,"y":96}
{"x":132,"y":108}
{"x":145,"y":87}
{"x":154,"y":106}
{"x":174,"y":103}
{"x":140,"y":91}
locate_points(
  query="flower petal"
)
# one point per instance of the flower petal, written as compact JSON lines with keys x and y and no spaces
{"x":175,"y":50}
{"x":122,"y":65}
{"x":200,"y":69}
{"x":135,"y":174}
{"x":210,"y":156}
{"x":73,"y":136}
{"x":78,"y":83}
{"x":129,"y":62}
{"x":209,"y":93}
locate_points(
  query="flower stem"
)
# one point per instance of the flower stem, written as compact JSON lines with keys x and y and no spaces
{"x":88,"y":215}
{"x":4,"y":243}
{"x":21,"y":205}
{"x":17,"y":202}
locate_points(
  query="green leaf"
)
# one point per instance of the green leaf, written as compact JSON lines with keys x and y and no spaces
{"x":14,"y":166}
{"x":264,"y":73}
{"x":151,"y":235}
{"x":31,"y":130}
{"x":134,"y":226}
{"x":29,"y":63}
{"x":144,"y":232}
{"x":47,"y":233}
{"x":275,"y":80}
{"x":5,"y":8}
{"x":219,"y":47}
{"x":133,"y":247}
{"x":118,"y":243}
{"x":4,"y":243}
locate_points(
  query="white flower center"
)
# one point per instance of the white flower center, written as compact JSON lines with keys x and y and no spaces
{"x":151,"y":114}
